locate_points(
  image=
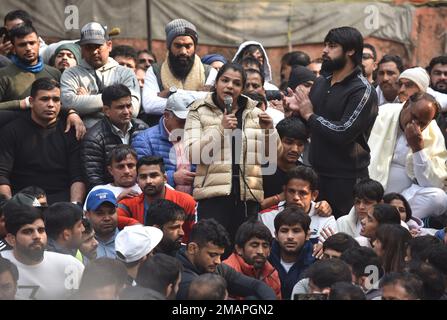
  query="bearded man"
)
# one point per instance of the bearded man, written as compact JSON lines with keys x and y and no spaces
{"x":181,"y":69}
{"x":44,"y":275}
{"x":340,"y":111}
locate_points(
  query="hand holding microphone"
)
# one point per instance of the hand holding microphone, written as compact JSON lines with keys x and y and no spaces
{"x":229,"y":120}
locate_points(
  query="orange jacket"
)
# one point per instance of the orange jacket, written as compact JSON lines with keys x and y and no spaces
{"x":268,"y":275}
{"x":131,"y":210}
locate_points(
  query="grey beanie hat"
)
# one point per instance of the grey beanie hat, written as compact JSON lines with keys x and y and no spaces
{"x":180,"y":27}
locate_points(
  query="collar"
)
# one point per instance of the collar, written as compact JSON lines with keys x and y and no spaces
{"x":110,"y":241}
{"x":249,"y":270}
{"x":54,"y":245}
{"x":356,"y":71}
{"x":119,"y":132}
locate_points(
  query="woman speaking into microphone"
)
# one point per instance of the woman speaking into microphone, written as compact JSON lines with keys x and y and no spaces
{"x":228,"y":138}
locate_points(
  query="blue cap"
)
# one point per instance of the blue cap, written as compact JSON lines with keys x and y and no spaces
{"x":97,"y":197}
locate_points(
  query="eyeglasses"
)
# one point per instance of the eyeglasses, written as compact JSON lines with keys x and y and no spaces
{"x":366,"y":56}
{"x":145,"y":60}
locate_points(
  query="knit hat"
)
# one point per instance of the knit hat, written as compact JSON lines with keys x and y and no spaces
{"x":137,"y":241}
{"x":210,"y":58}
{"x":72,"y":47}
{"x":180,"y":27}
{"x":299,"y":75}
{"x":419,"y":76}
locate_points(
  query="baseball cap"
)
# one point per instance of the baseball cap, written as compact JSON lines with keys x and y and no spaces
{"x":135,"y":242}
{"x":25,"y":199}
{"x":97,"y":197}
{"x":93,"y":33}
{"x":179,"y":102}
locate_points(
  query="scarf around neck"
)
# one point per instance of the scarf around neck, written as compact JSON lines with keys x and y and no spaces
{"x":33,"y":69}
{"x":194,"y":81}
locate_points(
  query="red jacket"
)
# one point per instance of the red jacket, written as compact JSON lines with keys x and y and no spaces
{"x":268,"y":275}
{"x":131,"y":210}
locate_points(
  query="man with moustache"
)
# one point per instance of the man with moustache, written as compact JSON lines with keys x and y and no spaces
{"x":408,"y":152}
{"x":182,"y":69}
{"x":122,"y":166}
{"x":252,"y":248}
{"x":438,"y":73}
{"x":291,"y":251}
{"x":437,"y":70}
{"x":389,"y":69}
{"x":340,"y":111}
{"x":82,"y":86}
{"x":169,"y":218}
{"x":301,"y":189}
{"x":101,"y":212}
{"x":36,"y":151}
{"x":16,"y":79}
{"x":43,"y":275}
{"x":117,"y":127}
{"x":151,"y":177}
{"x":67,"y":55}
{"x":202,"y":254}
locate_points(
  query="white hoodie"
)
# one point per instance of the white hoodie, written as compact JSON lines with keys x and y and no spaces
{"x":267,"y":68}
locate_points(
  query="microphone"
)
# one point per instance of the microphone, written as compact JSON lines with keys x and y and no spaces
{"x":228,"y":100}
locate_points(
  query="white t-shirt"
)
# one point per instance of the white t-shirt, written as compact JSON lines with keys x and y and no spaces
{"x":276,"y":115}
{"x":287,"y":265}
{"x":54,"y":278}
{"x":317,"y":223}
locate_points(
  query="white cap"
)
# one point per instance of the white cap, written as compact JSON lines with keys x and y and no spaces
{"x":135,"y":242}
{"x":179,"y":102}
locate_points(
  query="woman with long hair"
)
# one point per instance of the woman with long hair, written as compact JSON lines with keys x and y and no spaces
{"x":391,"y":245}
{"x":406,"y":215}
{"x":226,"y":135}
{"x":381,"y":214}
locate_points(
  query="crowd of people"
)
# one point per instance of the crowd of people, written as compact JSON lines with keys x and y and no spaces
{"x":198,"y":178}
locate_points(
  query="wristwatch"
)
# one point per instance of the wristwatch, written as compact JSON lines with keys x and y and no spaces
{"x":172,"y":90}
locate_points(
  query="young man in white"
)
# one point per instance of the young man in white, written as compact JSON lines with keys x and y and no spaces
{"x":300,"y":190}
{"x":43,"y":275}
{"x":122,"y":166}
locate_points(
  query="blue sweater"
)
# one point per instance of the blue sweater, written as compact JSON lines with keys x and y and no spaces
{"x":155,"y":142}
{"x":288,"y":279}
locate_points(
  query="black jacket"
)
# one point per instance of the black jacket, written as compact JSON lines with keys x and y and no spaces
{"x":237,"y":284}
{"x":343,"y":117}
{"x":97,"y":143}
{"x":45,"y":157}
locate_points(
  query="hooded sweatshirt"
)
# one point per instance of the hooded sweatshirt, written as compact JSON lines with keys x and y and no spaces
{"x":267,"y":69}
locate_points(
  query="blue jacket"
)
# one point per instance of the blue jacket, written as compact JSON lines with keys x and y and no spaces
{"x":155,"y":142}
{"x":289,"y":279}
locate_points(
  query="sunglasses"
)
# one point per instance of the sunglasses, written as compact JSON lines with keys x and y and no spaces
{"x":366,"y":56}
